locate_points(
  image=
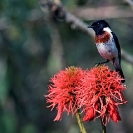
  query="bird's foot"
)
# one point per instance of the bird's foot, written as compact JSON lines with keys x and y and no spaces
{"x":97,"y":64}
{"x":101,"y":63}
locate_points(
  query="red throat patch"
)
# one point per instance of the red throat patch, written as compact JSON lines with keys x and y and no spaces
{"x":105,"y":37}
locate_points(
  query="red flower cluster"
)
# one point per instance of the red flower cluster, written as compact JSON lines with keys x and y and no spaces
{"x":100,"y":94}
{"x":97,"y":92}
{"x":62,"y":91}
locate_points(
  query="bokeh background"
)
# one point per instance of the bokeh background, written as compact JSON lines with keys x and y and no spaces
{"x":34,"y":46}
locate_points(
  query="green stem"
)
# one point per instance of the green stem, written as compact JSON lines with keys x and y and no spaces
{"x":80,"y":123}
{"x":103,"y":127}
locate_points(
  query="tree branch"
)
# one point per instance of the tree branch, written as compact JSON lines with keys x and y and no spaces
{"x":130,"y":2}
{"x":74,"y":22}
{"x":103,"y":12}
{"x":77,"y":23}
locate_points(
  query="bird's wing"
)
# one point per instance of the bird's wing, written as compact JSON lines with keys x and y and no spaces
{"x":117,"y":45}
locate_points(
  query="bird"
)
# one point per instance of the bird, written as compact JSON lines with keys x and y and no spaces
{"x":108,"y":45}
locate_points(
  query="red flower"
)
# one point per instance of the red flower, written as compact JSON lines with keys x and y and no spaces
{"x":62,"y":90}
{"x":100,"y":94}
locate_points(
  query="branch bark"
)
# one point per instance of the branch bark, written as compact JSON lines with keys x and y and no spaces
{"x":130,"y":2}
{"x":103,"y":12}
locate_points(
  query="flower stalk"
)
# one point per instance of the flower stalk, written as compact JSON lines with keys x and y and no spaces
{"x":103,"y":127}
{"x":80,"y":123}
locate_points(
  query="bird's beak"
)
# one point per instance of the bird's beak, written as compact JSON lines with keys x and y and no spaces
{"x":90,"y":26}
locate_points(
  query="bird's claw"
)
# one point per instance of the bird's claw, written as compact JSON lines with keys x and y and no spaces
{"x":97,"y":64}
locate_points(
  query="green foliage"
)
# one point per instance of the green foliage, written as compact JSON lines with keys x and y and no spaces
{"x":4,"y":84}
{"x":29,"y":128}
{"x":8,"y":123}
{"x":71,"y":3}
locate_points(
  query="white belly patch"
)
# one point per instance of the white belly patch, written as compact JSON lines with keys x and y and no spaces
{"x":107,"y":50}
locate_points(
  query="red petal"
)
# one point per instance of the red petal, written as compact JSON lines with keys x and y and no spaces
{"x":114,"y":114}
{"x":90,"y":113}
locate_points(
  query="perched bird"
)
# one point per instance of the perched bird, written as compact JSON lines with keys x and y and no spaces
{"x":107,"y":44}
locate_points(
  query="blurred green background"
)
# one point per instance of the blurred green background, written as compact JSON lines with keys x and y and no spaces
{"x":33,"y":47}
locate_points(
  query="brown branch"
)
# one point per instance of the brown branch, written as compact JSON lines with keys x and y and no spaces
{"x":103,"y":12}
{"x":77,"y":23}
{"x":130,"y":2}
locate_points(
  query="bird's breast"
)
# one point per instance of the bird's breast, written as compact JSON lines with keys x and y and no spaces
{"x":103,"y":38}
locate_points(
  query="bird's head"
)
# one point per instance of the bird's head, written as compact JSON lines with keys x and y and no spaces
{"x":100,"y":26}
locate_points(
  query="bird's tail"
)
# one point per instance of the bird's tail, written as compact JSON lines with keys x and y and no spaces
{"x":119,"y":70}
{"x":117,"y":66}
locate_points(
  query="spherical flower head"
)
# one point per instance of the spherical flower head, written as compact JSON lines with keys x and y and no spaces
{"x":101,"y":94}
{"x":62,"y":90}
